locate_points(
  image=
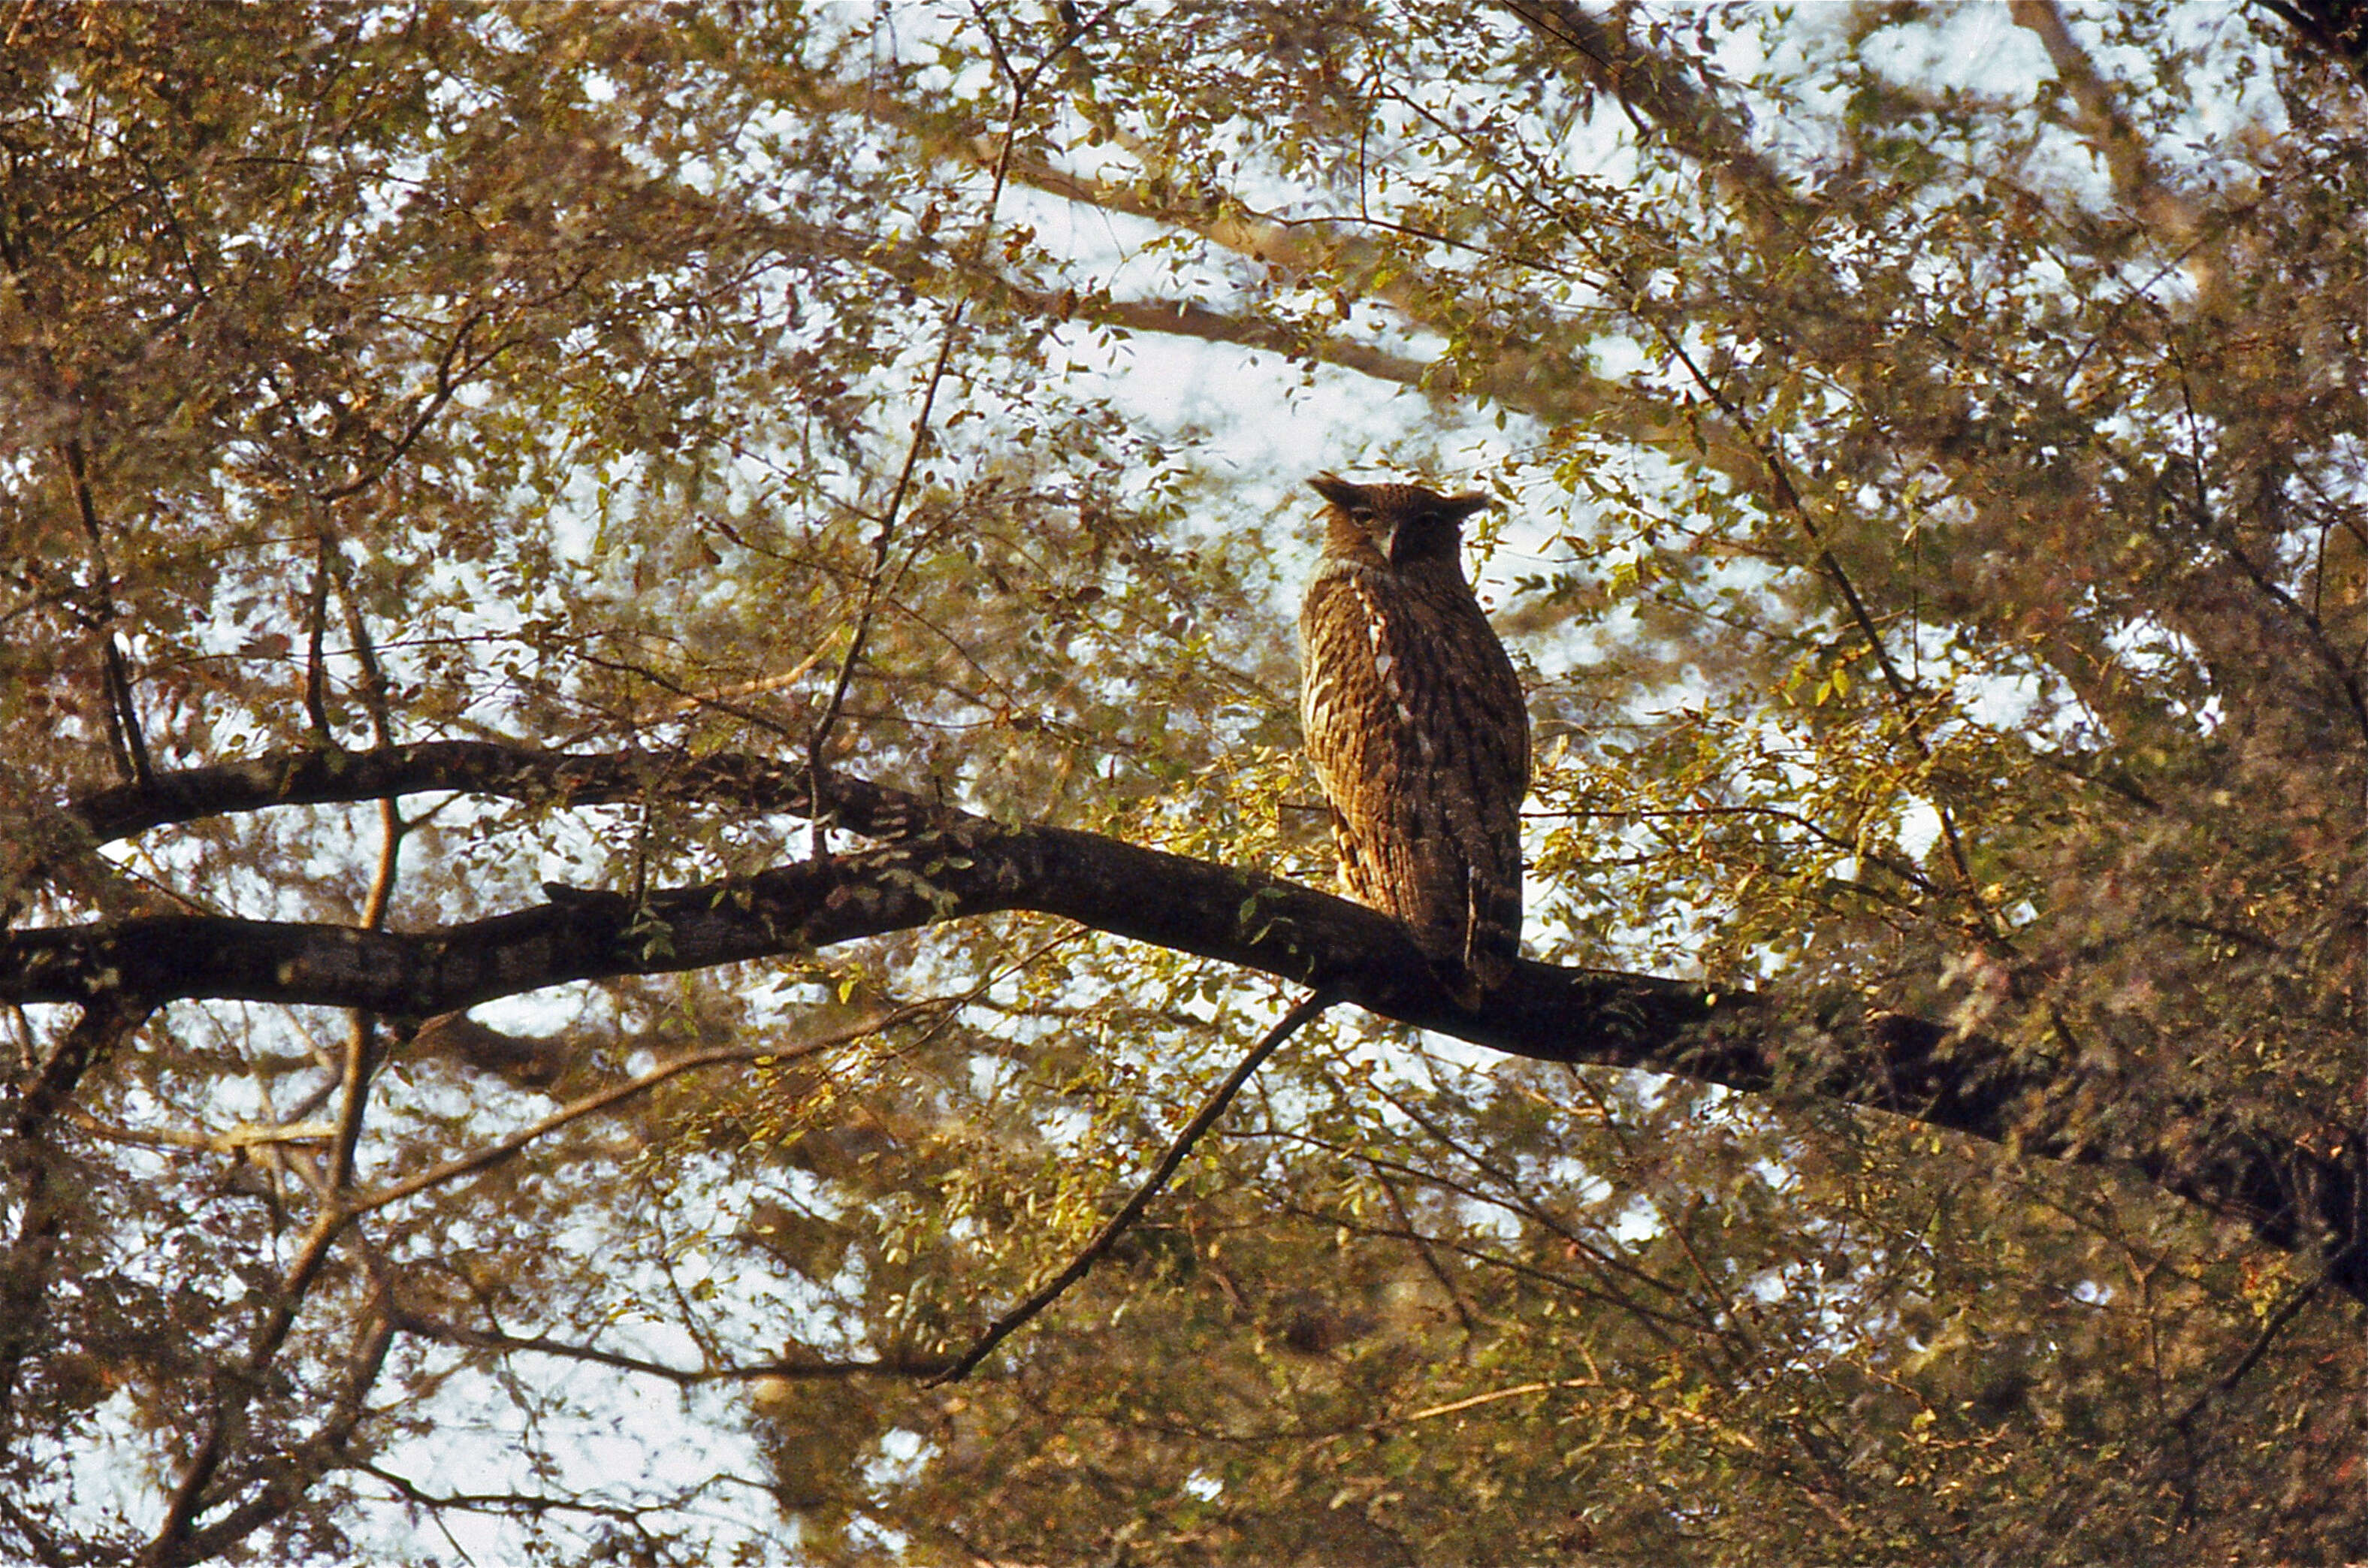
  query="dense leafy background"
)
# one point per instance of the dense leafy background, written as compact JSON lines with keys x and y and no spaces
{"x":1936,"y":545}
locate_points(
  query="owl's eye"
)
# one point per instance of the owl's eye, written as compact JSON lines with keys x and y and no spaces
{"x":1360,"y":515}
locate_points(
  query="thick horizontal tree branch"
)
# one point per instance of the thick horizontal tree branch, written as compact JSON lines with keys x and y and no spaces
{"x":944,"y":864}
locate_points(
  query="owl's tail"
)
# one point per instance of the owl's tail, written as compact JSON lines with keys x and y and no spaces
{"x":1490,"y":951}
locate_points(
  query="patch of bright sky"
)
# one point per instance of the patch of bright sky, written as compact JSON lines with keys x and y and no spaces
{"x":626,"y":1436}
{"x":898,"y":1458}
{"x":104,"y":1470}
{"x":1638,"y":1220}
{"x":1969,"y":47}
{"x":618,"y":1451}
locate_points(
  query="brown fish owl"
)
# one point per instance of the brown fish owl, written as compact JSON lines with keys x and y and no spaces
{"x":1416,"y":724}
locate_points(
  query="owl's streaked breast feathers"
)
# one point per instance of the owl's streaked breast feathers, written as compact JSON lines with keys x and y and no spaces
{"x":1416,"y":726}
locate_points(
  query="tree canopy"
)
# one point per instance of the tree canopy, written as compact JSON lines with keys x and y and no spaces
{"x":653,"y":781}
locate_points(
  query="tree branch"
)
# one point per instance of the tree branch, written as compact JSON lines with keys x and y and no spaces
{"x":945,"y":864}
{"x":1094,"y":1250}
{"x":1548,"y":379}
{"x":1607,"y":55}
{"x":2137,"y":183}
{"x":313,"y":777}
{"x":28,"y":1262}
{"x":2338,"y":27}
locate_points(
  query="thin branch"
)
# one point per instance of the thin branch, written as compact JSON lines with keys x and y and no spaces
{"x":1547,"y":378}
{"x":819,"y":737}
{"x":231,"y":1140}
{"x":2136,"y":182}
{"x":1431,"y":1264}
{"x":2150,"y":1455}
{"x":1514,"y":1196}
{"x":375,"y":700}
{"x":448,"y":381}
{"x":447,"y":1332}
{"x":353,"y":1098}
{"x":316,"y":625}
{"x":1902,"y":695}
{"x":505,"y":1149}
{"x":172,"y":1539}
{"x":232,"y":1390}
{"x":362,"y":1055}
{"x":1432,"y":1412}
{"x":361,"y":1037}
{"x":1664,"y":1327}
{"x":46,"y":1549}
{"x":285,"y":1481}
{"x":1093,"y":1252}
{"x":2225,"y":1383}
{"x":1691,"y":119}
{"x":2208,"y":523}
{"x":32,"y":1252}
{"x":1903,"y":869}
{"x":123,"y":714}
{"x":875,"y":577}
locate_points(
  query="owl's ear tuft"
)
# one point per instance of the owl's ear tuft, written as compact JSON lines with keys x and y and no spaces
{"x":1338,"y":491}
{"x":1456,"y":508}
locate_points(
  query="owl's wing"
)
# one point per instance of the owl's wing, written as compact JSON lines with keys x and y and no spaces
{"x":1470,"y":734}
{"x":1343,"y":712}
{"x":1424,"y":783}
{"x":1490,"y":717}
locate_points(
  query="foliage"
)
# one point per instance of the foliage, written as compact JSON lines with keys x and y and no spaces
{"x":1937,"y":546}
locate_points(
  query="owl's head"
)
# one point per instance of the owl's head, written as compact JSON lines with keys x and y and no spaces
{"x":1402,"y":523}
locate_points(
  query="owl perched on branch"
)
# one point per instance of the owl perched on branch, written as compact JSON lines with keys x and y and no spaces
{"x":1417,"y":727}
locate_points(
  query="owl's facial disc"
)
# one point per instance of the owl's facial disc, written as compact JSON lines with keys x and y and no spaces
{"x":1370,"y":523}
{"x":1433,"y":528}
{"x":1424,"y":534}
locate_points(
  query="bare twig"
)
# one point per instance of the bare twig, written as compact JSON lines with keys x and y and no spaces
{"x":449,"y":1333}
